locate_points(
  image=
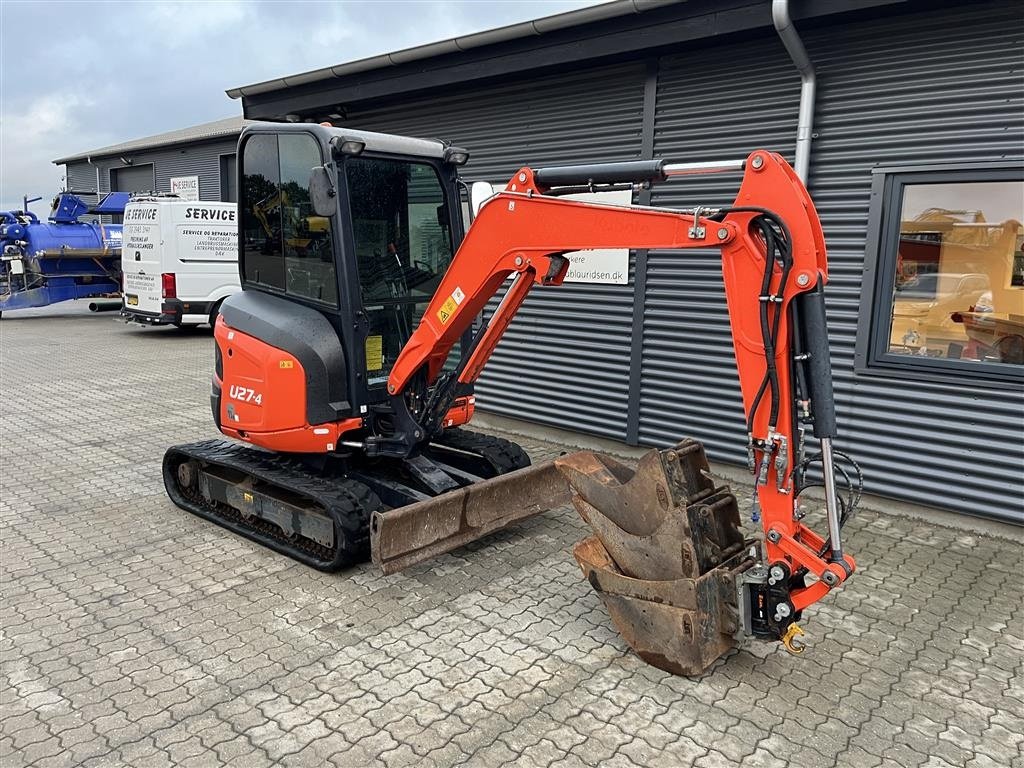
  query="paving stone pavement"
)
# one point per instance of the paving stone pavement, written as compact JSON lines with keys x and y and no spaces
{"x":132,"y":634}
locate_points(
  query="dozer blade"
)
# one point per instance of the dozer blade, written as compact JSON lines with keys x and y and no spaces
{"x":666,"y":553}
{"x":413,"y":533}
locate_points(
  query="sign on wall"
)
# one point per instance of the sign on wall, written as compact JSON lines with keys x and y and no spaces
{"x":609,"y":265}
{"x":185,"y":187}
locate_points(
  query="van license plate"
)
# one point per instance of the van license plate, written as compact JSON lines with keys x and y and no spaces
{"x":131,"y":301}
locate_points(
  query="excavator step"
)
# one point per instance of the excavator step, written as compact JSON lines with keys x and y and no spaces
{"x":666,"y":554}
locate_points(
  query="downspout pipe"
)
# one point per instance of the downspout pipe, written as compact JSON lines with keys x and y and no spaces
{"x":805,"y":122}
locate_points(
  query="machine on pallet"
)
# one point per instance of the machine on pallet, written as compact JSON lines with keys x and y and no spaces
{"x":62,"y":258}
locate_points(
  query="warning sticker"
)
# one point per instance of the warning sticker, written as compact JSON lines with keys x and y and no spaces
{"x":458,"y":295}
{"x":374,"y":353}
{"x":444,"y":314}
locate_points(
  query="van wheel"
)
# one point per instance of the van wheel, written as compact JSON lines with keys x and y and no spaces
{"x":214,"y":312}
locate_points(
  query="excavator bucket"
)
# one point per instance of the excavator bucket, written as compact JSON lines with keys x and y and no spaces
{"x":413,"y":533}
{"x":666,"y":553}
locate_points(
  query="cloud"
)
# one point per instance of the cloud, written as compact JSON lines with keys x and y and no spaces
{"x":30,"y":138}
{"x":184,"y":23}
{"x":45,"y":115}
{"x":123,"y":70}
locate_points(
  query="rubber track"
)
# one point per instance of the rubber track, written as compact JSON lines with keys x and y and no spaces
{"x":348,"y":502}
{"x":503,"y":455}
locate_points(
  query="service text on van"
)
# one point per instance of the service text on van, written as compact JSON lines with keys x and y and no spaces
{"x":207,"y":214}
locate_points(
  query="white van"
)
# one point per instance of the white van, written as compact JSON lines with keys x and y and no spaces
{"x":179,"y":259}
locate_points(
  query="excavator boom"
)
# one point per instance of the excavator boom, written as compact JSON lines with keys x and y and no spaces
{"x":774,"y":268}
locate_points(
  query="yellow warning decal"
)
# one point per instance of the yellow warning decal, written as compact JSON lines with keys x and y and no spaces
{"x":287,"y":364}
{"x":374,"y":353}
{"x":444,"y":314}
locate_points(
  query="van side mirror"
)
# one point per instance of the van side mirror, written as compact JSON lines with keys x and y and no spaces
{"x":479,"y":193}
{"x":322,"y":192}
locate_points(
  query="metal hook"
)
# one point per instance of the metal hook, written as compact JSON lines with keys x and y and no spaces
{"x":789,"y":639}
{"x":697,"y":232}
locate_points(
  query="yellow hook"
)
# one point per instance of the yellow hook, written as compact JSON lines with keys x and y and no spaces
{"x":789,"y":640}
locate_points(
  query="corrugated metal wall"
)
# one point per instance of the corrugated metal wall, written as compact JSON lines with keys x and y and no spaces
{"x":940,"y":87}
{"x":708,"y":108}
{"x":565,"y":359}
{"x":926,"y":88}
{"x":202,"y":160}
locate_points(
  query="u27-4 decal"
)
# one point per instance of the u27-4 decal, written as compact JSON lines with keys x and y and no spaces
{"x":245,"y":394}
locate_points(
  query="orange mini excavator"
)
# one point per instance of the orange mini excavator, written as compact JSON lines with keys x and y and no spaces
{"x":345,"y":373}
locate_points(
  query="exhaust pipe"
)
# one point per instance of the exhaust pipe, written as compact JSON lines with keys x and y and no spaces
{"x":105,"y":305}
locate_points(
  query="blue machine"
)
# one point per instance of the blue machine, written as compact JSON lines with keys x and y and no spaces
{"x":42,"y":263}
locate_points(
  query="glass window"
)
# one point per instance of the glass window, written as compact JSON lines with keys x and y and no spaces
{"x":308,"y":249}
{"x":287,"y":246}
{"x":956,"y":272}
{"x":403,"y":248}
{"x":400,"y":223}
{"x":261,"y":215}
{"x":228,"y":179}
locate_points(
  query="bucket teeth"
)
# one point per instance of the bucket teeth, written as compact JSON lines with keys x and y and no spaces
{"x":666,"y":552}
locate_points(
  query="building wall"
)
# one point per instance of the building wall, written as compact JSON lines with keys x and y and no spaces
{"x":925,"y":87}
{"x":201,"y":159}
{"x":933,"y":88}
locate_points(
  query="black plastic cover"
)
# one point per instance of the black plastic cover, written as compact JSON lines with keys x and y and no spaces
{"x":305,"y":333}
{"x":632,"y":171}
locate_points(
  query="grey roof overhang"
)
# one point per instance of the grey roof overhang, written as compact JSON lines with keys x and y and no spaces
{"x":217,"y":129}
{"x":597,"y":12}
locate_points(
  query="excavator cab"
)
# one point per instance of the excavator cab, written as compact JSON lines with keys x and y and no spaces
{"x":370,"y":260}
{"x":345,"y":237}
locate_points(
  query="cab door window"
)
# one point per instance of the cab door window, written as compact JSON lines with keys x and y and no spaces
{"x":403,"y":247}
{"x":287,"y":246}
{"x":308,"y":249}
{"x":261,"y":218}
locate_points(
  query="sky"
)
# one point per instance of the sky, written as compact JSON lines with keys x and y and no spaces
{"x":76,"y":76}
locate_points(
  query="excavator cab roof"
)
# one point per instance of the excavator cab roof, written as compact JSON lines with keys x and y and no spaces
{"x":370,"y":140}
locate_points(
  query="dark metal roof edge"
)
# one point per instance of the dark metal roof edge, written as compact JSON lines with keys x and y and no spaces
{"x":565,"y":20}
{"x":155,"y":141}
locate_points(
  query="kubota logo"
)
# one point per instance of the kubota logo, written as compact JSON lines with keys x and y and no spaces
{"x":245,"y":394}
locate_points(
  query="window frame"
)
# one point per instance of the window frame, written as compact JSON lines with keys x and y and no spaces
{"x":324,"y":306}
{"x":871,"y":352}
{"x":456,"y":234}
{"x":225,"y":181}
{"x":453,"y":237}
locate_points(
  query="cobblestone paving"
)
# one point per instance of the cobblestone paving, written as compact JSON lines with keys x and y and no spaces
{"x":136,"y":635}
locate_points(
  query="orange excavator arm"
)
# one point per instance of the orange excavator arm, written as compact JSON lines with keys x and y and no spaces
{"x":774,"y":268}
